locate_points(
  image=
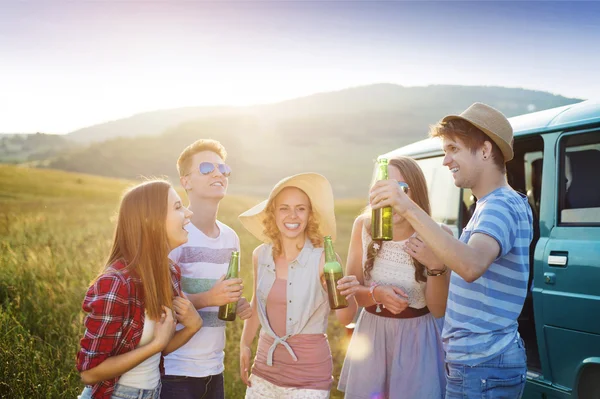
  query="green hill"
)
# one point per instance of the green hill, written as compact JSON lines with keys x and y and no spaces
{"x":19,"y":148}
{"x":338,"y":134}
{"x":422,"y":104}
{"x":147,"y":123}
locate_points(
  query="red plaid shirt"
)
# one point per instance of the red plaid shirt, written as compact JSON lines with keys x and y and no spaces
{"x":115,"y":320}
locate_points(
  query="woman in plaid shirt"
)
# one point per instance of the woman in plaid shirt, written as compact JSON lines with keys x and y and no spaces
{"x":135,"y":303}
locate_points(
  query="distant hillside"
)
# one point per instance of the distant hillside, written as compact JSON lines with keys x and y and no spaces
{"x":427,"y":103}
{"x":19,"y":148}
{"x":145,"y":124}
{"x":338,"y":134}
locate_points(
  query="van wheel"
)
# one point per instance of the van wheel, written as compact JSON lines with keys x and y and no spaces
{"x":589,"y":383}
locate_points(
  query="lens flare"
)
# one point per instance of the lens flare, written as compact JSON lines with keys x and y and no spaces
{"x":360,"y":347}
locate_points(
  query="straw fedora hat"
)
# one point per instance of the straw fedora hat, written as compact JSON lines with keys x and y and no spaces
{"x":318,"y":190}
{"x":491,"y":122}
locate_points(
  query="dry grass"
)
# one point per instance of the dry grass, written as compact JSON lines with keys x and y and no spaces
{"x":55,"y":231}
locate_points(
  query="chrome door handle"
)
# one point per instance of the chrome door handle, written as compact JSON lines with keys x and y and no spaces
{"x":557,"y":260}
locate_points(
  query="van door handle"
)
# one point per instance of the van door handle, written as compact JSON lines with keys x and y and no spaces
{"x":558,"y":258}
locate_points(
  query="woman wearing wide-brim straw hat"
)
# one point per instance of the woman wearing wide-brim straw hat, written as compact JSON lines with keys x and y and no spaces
{"x":290,"y":303}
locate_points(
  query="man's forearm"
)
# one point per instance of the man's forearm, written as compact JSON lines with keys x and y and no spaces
{"x":456,"y":255}
{"x":201,"y":299}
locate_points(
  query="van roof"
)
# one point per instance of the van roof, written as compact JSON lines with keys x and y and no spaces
{"x":560,"y":118}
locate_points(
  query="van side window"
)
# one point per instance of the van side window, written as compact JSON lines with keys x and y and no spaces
{"x":468,"y":206}
{"x":444,"y":196}
{"x":579,"y":193}
{"x":533,"y":180}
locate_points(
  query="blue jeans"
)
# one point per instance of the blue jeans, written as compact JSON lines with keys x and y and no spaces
{"x":125,"y":392}
{"x":182,"y":387}
{"x":501,"y":377}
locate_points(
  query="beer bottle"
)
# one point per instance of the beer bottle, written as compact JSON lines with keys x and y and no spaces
{"x":381,"y":219}
{"x":227,"y":311}
{"x":332,"y":272}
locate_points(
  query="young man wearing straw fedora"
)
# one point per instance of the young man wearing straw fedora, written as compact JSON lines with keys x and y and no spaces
{"x":195,"y":370}
{"x":293,"y":359}
{"x":490,"y":261}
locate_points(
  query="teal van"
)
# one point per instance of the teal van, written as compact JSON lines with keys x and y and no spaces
{"x":557,"y":164}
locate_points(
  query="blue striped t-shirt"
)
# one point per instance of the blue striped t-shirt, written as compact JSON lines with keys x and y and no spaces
{"x":481,"y":317}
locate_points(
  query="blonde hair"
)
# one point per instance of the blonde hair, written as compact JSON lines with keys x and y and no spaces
{"x":140,"y":242}
{"x":184,"y":162}
{"x":312,"y":231}
{"x":414,"y":177}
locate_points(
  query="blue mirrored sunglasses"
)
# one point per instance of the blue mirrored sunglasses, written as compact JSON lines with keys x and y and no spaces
{"x":208,"y":167}
{"x":403,"y":186}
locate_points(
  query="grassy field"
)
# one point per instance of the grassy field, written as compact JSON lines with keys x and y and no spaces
{"x":55,"y":231}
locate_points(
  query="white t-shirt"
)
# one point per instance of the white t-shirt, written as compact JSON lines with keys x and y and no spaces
{"x":145,"y":375}
{"x":203,"y":260}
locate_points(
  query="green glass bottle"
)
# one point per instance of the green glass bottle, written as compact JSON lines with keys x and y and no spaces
{"x":381,"y":219}
{"x":227,"y":311}
{"x":332,"y":272}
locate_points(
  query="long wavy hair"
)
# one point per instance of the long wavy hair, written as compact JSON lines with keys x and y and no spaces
{"x":413,"y":176}
{"x":312,"y":231}
{"x":140,"y":242}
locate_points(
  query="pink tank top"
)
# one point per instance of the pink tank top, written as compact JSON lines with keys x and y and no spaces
{"x":314,"y":367}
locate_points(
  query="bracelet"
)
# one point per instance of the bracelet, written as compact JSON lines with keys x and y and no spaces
{"x":437,"y":272}
{"x":371,"y":292}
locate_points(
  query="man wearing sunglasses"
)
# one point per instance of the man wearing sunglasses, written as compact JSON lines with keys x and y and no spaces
{"x":195,"y":370}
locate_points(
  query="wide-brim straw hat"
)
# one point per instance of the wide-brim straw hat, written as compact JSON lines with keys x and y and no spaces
{"x":318,"y":190}
{"x":491,"y":122}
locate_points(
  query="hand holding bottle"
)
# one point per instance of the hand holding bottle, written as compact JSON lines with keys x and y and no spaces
{"x":388,"y":193}
{"x":244,"y":310}
{"x":381,"y":217}
{"x":226,"y":291}
{"x":348,"y":286}
{"x":332,"y":273}
{"x":227,"y":311}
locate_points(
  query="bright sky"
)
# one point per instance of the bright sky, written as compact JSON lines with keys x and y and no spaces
{"x":67,"y":65}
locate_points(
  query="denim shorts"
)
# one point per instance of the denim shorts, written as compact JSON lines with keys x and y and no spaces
{"x":504,"y":376}
{"x":182,"y":387}
{"x":125,"y":392}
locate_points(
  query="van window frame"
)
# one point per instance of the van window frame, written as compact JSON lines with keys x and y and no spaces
{"x":561,"y":175}
{"x":440,"y":154}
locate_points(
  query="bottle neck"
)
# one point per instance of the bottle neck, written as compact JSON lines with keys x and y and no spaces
{"x":232,"y":271}
{"x":329,"y":252}
{"x":382,"y":172}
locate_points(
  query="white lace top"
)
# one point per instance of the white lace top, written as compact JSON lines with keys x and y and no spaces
{"x":393,"y":266}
